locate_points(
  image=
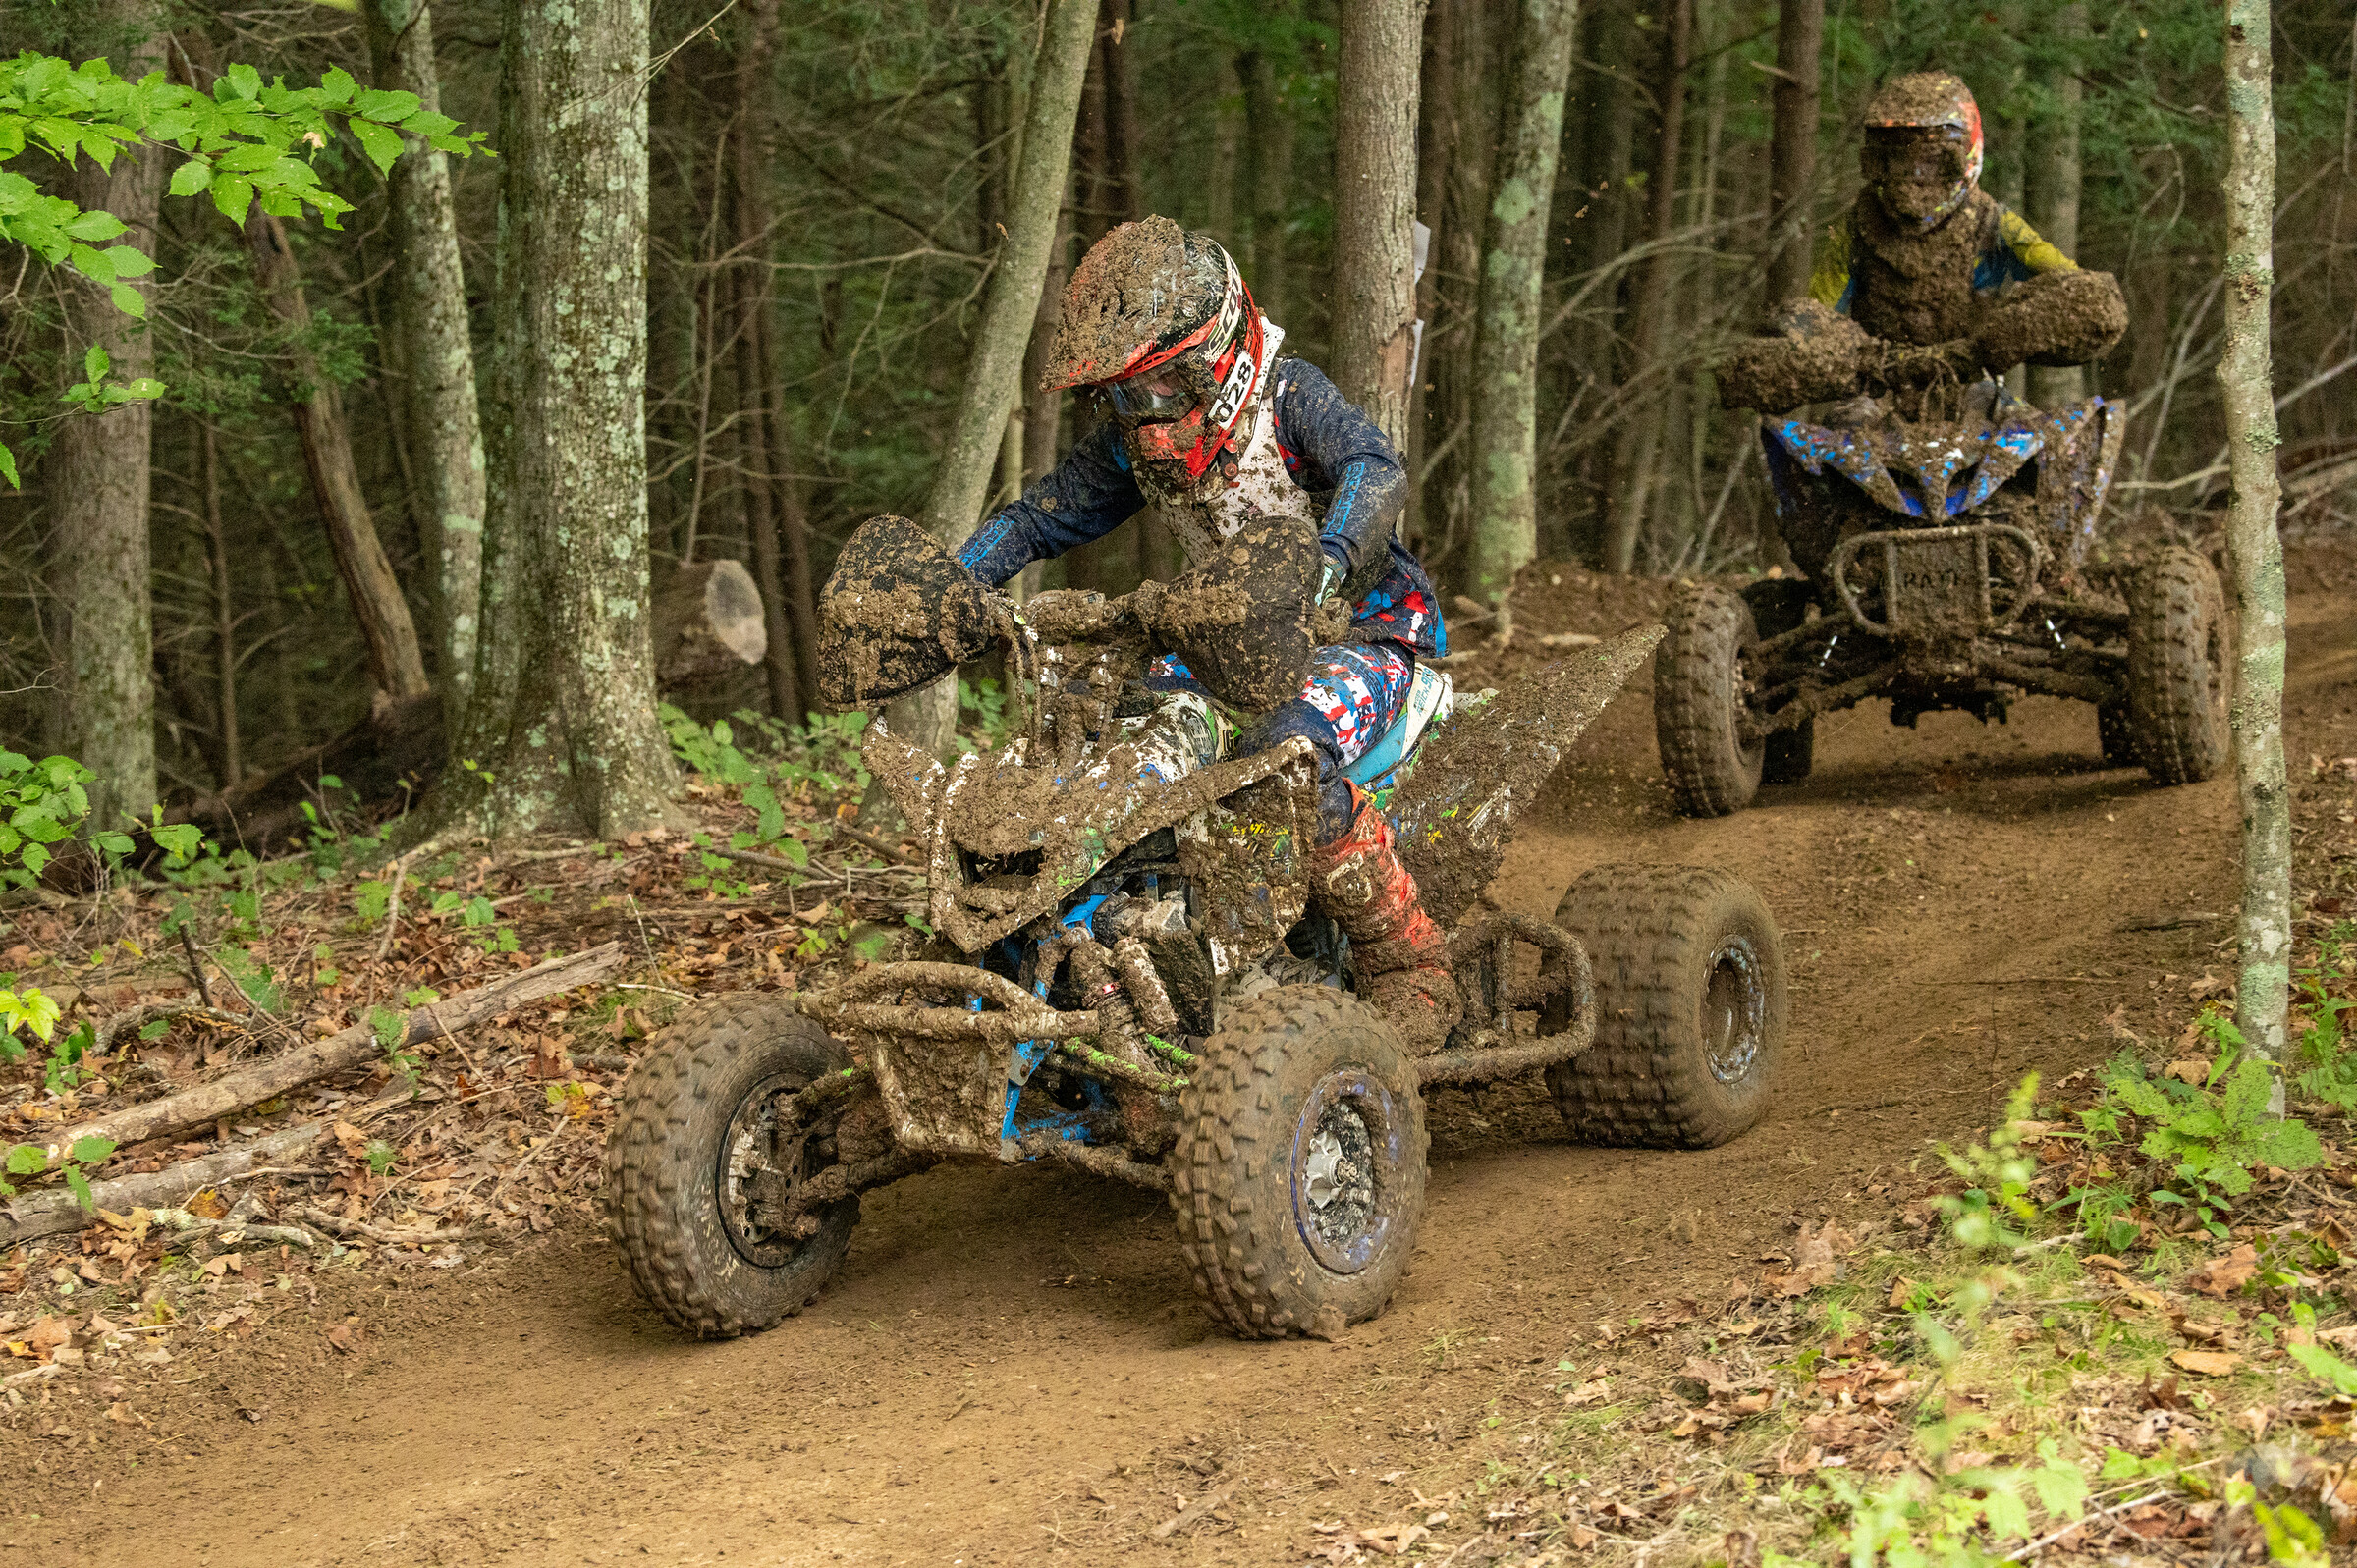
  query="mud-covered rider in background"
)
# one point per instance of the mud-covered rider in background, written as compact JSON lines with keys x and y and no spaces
{"x":1205,"y":419}
{"x":1926,"y":280}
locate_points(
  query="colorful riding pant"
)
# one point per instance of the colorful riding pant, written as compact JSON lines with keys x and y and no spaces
{"x":1354,"y":693}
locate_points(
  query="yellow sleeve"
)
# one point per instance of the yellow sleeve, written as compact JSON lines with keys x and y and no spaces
{"x":2029,"y":247}
{"x":1828,"y":274}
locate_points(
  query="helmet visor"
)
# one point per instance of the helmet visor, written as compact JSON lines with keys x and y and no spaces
{"x":1917,"y":171}
{"x":1163,"y":393}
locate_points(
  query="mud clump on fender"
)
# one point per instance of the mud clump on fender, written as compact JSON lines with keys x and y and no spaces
{"x":2057,"y":318}
{"x":898,"y":612}
{"x":1810,"y":356}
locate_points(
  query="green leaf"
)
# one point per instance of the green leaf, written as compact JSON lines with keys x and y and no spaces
{"x":28,"y":1159}
{"x":114,"y":843}
{"x":383,"y":146}
{"x":79,"y":1186}
{"x":130,"y":261}
{"x":388,"y":106}
{"x":129,"y":300}
{"x":95,"y":225}
{"x":8,"y":467}
{"x":154,"y":1031}
{"x":338,"y":87}
{"x":95,"y":363}
{"x":92,"y":1148}
{"x":243,"y":82}
{"x":191,"y":177}
{"x":233,"y":194}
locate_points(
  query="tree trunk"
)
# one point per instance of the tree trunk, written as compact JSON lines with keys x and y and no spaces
{"x":225,"y":619}
{"x":2051,"y":189}
{"x":98,"y":479}
{"x":1792,"y":149}
{"x":2255,"y":553}
{"x":1635,"y":443}
{"x":1437,"y":147}
{"x":395,"y":665}
{"x":765,"y":478}
{"x":1009,"y":307}
{"x":1269,"y":153}
{"x":429,"y":317}
{"x":563,"y":715}
{"x":1125,"y":194}
{"x":1375,"y":206}
{"x":1506,"y":344}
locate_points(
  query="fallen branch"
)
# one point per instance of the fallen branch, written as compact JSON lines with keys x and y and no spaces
{"x":337,"y":1224}
{"x":46,"y":1213}
{"x":341,"y":1051}
{"x":196,"y":1228}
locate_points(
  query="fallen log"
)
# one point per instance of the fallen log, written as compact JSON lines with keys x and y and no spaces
{"x":45,"y":1213}
{"x":341,"y":1051}
{"x":707,"y":621}
{"x":391,"y":1235}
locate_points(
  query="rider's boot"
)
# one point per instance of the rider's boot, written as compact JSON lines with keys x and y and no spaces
{"x":1401,"y":955}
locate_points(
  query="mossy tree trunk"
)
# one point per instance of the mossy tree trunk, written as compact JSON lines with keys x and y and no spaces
{"x":562,"y":732}
{"x":2255,"y":553}
{"x":1375,"y":206}
{"x":1009,"y":307}
{"x":435,"y":353}
{"x":1506,"y":336}
{"x":96,"y":472}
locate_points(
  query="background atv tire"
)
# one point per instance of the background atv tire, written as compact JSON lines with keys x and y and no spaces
{"x":2178,"y":679}
{"x":1690,"y":1008}
{"x":1779,"y":605}
{"x":1698,"y":702}
{"x":665,"y":1164}
{"x":1294,"y":1077}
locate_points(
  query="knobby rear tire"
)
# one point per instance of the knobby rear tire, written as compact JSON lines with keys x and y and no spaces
{"x":2178,"y":676}
{"x":1698,"y":702}
{"x":1674,"y":947}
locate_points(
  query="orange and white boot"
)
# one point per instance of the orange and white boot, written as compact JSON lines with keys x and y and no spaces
{"x":1399,"y":954}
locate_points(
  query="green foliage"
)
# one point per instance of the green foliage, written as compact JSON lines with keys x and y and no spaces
{"x":2317,"y":1360}
{"x":392,"y":1032}
{"x":2212,"y":1133}
{"x":254,"y":977}
{"x":30,"y":1159}
{"x":768,"y":764}
{"x":249,"y":141}
{"x":41,"y":803}
{"x":1927,"y":1516}
{"x":1999,"y":1176}
{"x":2326,"y":1070}
{"x":984,"y":705}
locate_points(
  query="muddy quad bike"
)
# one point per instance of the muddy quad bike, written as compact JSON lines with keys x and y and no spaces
{"x":1130,"y":980}
{"x":1947,"y":567}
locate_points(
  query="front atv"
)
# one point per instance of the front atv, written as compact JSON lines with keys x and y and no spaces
{"x":1141,"y":990}
{"x":1973,"y":613}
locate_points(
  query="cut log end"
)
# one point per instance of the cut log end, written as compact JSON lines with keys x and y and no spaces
{"x":708,"y":618}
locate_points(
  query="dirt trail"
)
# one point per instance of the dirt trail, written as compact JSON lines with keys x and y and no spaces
{"x":1010,"y":1370}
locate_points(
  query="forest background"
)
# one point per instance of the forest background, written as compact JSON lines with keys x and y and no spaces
{"x":828,"y":191}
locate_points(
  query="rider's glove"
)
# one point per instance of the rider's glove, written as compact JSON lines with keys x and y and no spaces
{"x":1331,"y":581}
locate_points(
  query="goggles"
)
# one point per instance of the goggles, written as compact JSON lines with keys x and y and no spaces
{"x":1161,"y":392}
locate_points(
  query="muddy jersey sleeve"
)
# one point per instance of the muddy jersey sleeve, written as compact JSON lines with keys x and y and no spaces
{"x":1831,"y":283}
{"x":1085,"y":496}
{"x":1332,"y":450}
{"x":2016,"y":253}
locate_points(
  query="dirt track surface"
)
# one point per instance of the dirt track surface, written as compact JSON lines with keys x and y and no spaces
{"x":1009,"y":1368}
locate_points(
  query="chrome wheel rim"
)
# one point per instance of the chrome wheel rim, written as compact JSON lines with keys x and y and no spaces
{"x":1734,"y":1011}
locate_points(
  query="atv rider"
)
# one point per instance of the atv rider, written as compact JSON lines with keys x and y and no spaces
{"x":1204,"y":419}
{"x":1926,"y":279}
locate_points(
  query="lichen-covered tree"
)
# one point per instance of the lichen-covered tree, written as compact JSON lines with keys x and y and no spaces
{"x":995,"y":364}
{"x":2254,"y":550}
{"x":435,"y":353}
{"x":562,"y":730}
{"x":1506,"y":336}
{"x":96,"y":473}
{"x":2050,"y":177}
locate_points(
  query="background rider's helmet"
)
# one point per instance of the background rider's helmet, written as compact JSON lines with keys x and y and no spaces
{"x":1159,"y":323}
{"x":1923,"y":147}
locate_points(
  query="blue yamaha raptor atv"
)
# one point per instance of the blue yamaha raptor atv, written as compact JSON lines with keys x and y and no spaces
{"x":1130,"y":979}
{"x":1947,"y":561}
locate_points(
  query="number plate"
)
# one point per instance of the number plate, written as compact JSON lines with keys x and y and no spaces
{"x":1938,"y":584}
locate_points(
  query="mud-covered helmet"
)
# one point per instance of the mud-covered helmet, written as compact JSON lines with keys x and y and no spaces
{"x":1160,"y":322}
{"x":1923,"y":147}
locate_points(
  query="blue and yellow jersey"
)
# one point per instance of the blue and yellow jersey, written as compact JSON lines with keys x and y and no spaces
{"x":2014,"y":253}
